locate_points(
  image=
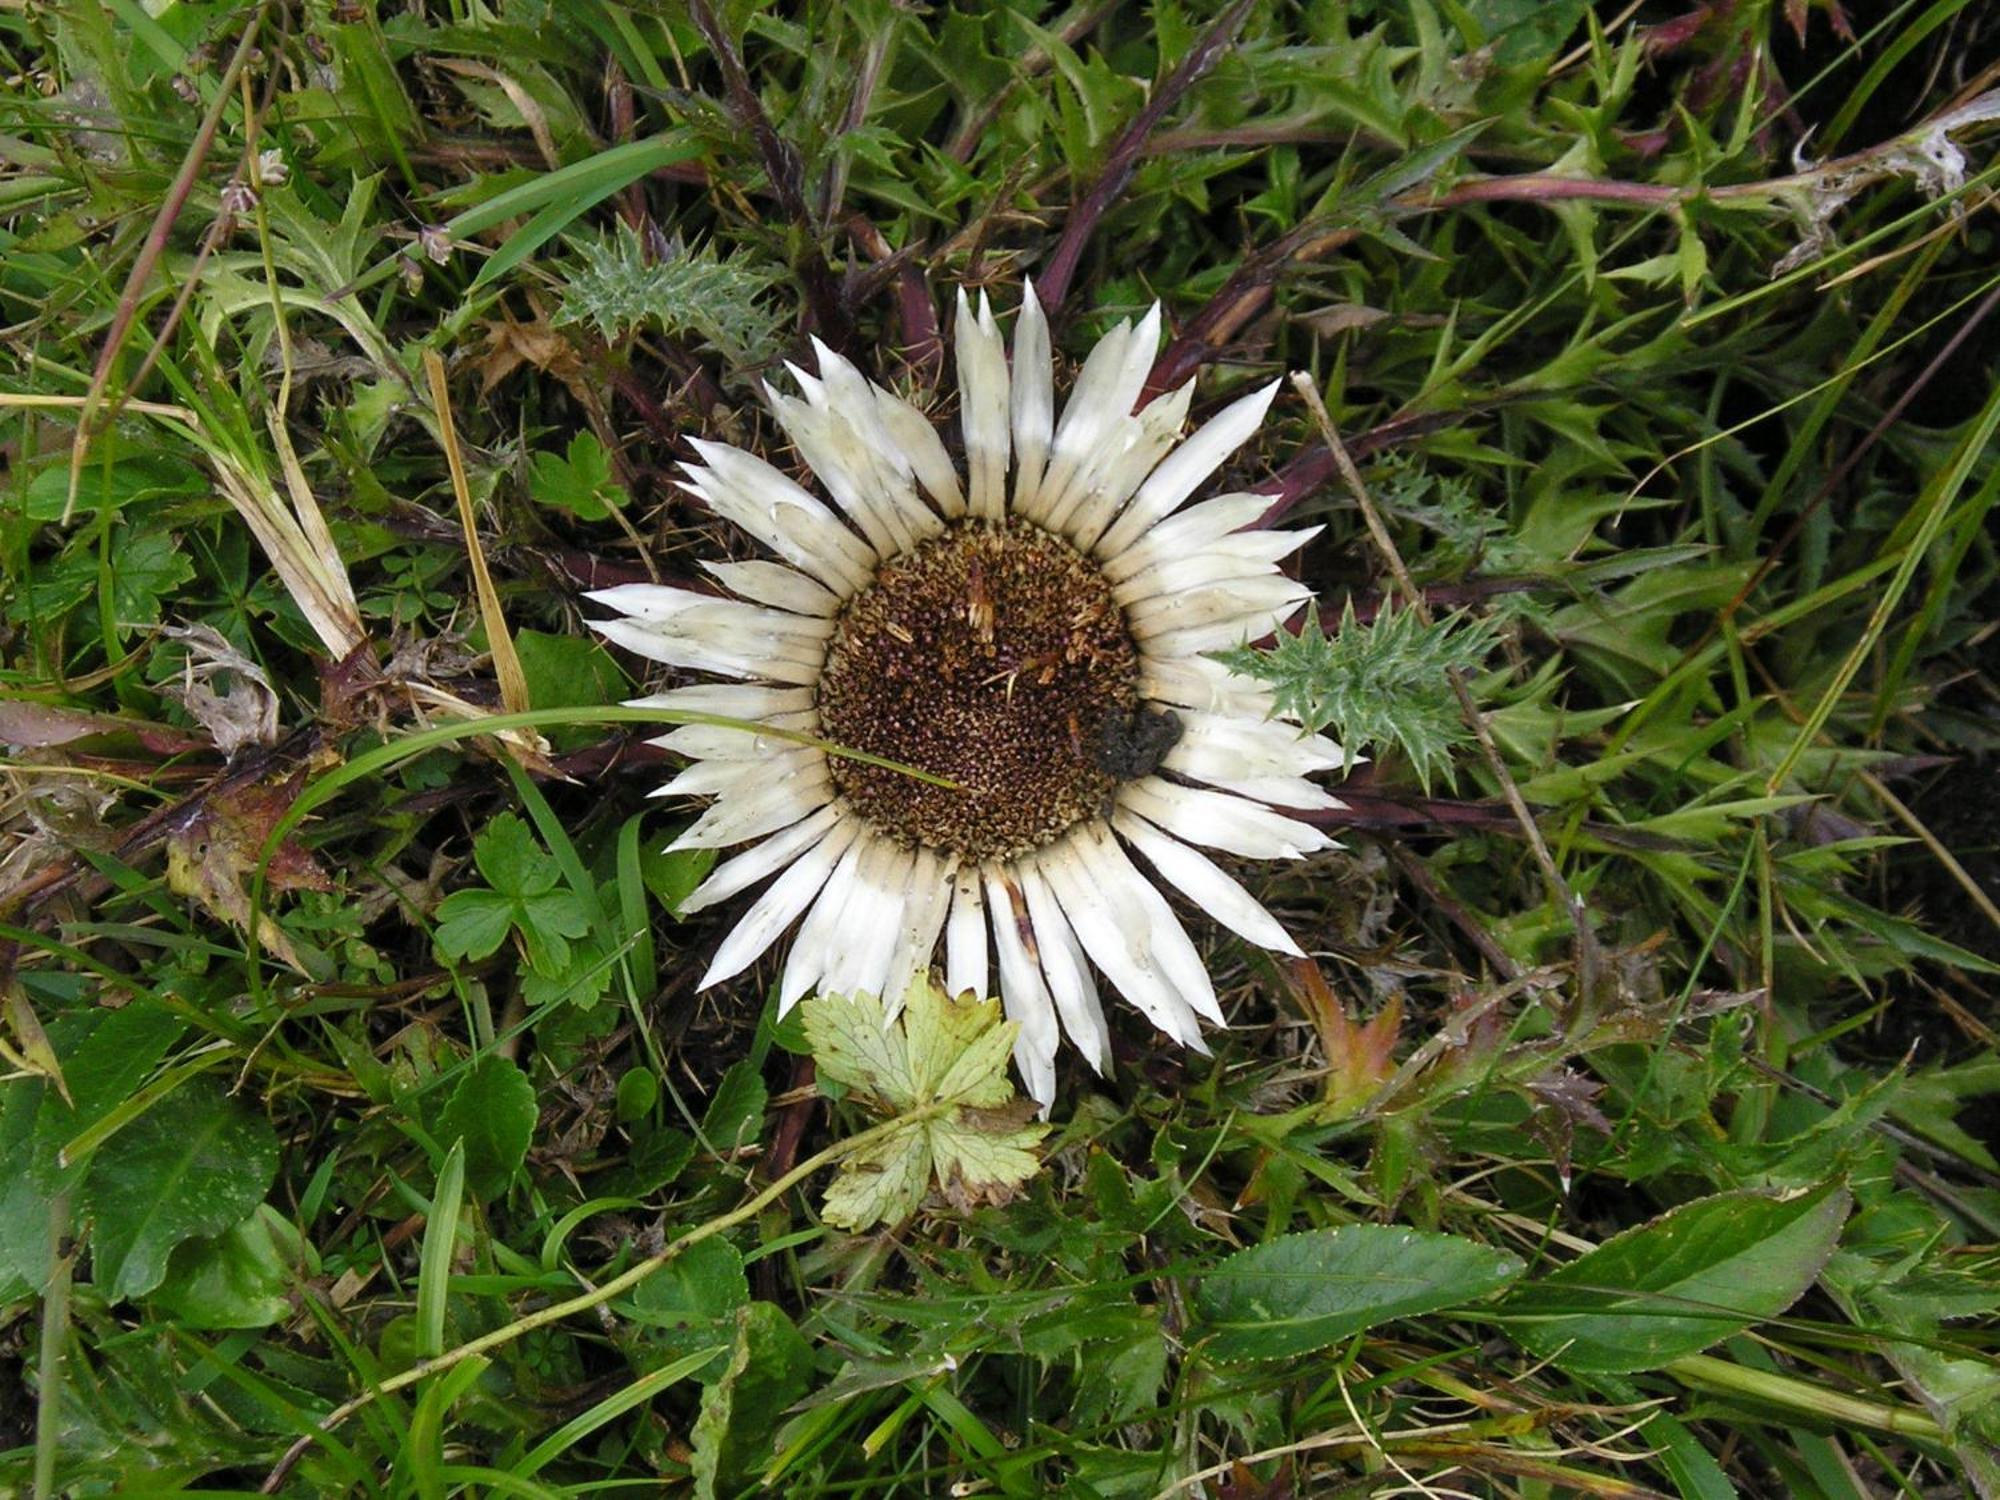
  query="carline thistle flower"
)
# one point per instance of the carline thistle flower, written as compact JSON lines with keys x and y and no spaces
{"x":1037,"y":635}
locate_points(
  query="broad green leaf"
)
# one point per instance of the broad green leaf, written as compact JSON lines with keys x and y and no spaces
{"x":473,"y":924}
{"x":492,"y":1110}
{"x":236,"y":1280}
{"x":672,"y":874}
{"x":106,"y":1055}
{"x":192,"y":1166}
{"x":770,"y":1367}
{"x":577,"y":482}
{"x":703,"y":1282}
{"x":566,"y":672}
{"x":638,"y":1091}
{"x":548,"y":921}
{"x":1302,"y":1292}
{"x":112,"y":486}
{"x":693,"y":1302}
{"x":735,"y":1114}
{"x":1676,"y":1285}
{"x":657,"y":1157}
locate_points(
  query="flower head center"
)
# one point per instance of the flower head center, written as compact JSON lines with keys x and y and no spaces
{"x":993,"y":656}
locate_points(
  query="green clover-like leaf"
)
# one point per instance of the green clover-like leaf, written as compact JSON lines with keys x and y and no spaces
{"x":525,"y":897}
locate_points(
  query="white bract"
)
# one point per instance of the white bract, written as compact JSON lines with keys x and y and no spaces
{"x":1034,"y":631}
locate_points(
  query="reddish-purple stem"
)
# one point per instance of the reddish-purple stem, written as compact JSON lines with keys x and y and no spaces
{"x":1371,"y":809}
{"x":1241,"y":298}
{"x":1315,"y":465}
{"x":923,"y":343}
{"x":1053,"y":284}
{"x":1453,"y":595}
{"x":786,"y":173}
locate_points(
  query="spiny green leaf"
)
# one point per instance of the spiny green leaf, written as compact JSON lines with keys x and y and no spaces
{"x":619,"y":287}
{"x":1386,"y":683}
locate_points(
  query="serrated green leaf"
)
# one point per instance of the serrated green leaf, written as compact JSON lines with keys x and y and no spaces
{"x":956,"y":1050}
{"x":1682,"y":1282}
{"x":1302,"y":1292}
{"x":526,"y":897}
{"x":884,"y":1185}
{"x":145,"y":570}
{"x":492,"y":1110}
{"x":693,"y":1302}
{"x":735,"y":1114}
{"x":579,"y":482}
{"x":1386,"y":683}
{"x":852,"y":1047}
{"x":548,"y":921}
{"x":510,"y":860}
{"x":974,"y":1163}
{"x":473,"y":924}
{"x":619,"y":287}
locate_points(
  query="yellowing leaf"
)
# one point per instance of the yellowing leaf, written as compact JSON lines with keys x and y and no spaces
{"x":883,"y":1184}
{"x":983,"y":1155}
{"x":939,"y":1072}
{"x":853,"y":1047}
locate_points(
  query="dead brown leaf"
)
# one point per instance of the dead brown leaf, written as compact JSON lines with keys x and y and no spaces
{"x":225,"y":692}
{"x":213,"y":857}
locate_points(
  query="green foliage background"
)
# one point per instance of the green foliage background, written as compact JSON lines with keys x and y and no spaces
{"x":361,"y":1131}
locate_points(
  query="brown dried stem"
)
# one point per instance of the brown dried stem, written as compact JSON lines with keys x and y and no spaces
{"x":150,"y":252}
